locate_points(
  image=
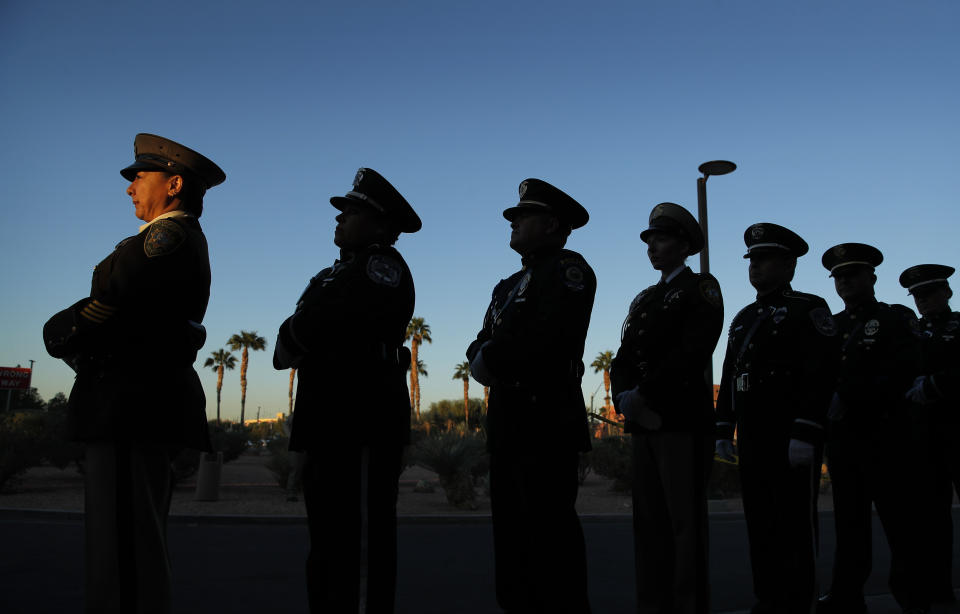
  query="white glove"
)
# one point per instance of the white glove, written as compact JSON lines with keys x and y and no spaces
{"x":633,"y":405}
{"x":724,"y":449}
{"x":801,"y":453}
{"x":918,"y":392}
{"x":479,"y":370}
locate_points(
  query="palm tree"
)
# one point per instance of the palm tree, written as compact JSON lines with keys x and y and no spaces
{"x":602,"y":363}
{"x":418,"y":331}
{"x":293,"y":373}
{"x":462,"y":371}
{"x":245,"y":340}
{"x":218,"y":361}
{"x":421,"y":370}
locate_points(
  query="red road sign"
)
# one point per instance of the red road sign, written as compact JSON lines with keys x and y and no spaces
{"x":14,"y":378}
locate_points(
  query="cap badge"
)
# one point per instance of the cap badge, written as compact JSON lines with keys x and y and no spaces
{"x":839,"y":251}
{"x":358,"y":178}
{"x":523,"y":189}
{"x":757,"y":232}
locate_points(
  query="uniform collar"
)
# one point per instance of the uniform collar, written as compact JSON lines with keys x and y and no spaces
{"x":775,"y":296}
{"x":539,"y":255}
{"x":864,"y":307}
{"x":164,"y":216}
{"x":676,"y":272}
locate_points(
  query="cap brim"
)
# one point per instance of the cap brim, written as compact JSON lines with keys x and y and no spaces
{"x":130,"y":172}
{"x":407,"y":221}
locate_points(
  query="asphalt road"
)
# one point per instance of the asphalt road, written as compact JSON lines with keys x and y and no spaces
{"x":445,"y":567}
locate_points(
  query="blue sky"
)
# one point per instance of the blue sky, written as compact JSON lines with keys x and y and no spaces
{"x":842,"y":118}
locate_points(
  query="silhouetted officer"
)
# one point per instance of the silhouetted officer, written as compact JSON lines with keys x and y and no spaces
{"x":870,"y":443}
{"x":137,"y":399}
{"x":775,"y":388}
{"x":937,"y":390}
{"x":346,"y":341}
{"x":659,"y":385}
{"x":529,"y":352}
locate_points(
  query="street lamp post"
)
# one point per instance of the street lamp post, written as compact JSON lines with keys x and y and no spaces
{"x":714,"y":167}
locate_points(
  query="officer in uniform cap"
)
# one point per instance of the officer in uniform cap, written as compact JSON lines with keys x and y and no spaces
{"x":368,"y":296}
{"x":660,"y":386}
{"x":133,"y":342}
{"x":869,"y":444}
{"x":937,"y":390}
{"x":529,"y":352}
{"x":774,"y":392}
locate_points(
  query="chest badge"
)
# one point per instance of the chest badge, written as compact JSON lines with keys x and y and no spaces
{"x":779,"y":315}
{"x":672,"y":297}
{"x":871,"y":328}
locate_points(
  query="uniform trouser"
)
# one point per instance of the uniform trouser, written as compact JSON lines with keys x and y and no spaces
{"x":779,"y":504}
{"x":539,"y":551}
{"x":876,"y":468}
{"x":670,"y":537}
{"x":944,"y":448}
{"x":127,"y":499}
{"x":351,"y":498}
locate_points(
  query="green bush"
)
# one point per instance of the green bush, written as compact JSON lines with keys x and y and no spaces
{"x":612,"y":457}
{"x":453,"y":458}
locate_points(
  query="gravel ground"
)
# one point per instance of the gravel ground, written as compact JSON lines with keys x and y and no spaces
{"x":248,"y":488}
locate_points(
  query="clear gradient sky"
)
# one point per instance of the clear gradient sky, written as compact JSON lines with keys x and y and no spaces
{"x":842,"y":118}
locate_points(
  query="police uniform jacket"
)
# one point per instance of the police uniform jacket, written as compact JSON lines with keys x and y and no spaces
{"x":532,"y":341}
{"x":778,"y":371}
{"x":133,"y":341}
{"x":940,"y":346}
{"x":666,"y":346}
{"x":880,"y":358}
{"x":345,"y":338}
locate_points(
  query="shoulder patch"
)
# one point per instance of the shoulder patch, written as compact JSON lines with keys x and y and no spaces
{"x":823,"y":321}
{"x":163,"y":237}
{"x":573,"y":277}
{"x":710,"y":291}
{"x":384,"y":270}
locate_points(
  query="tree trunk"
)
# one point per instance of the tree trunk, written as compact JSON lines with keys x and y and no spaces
{"x":486,"y":397}
{"x":414,"y":379}
{"x":219,"y":387}
{"x":293,"y":373}
{"x":606,"y":400}
{"x":466,"y":402}
{"x":243,"y":384}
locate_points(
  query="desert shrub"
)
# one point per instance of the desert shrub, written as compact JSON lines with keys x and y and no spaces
{"x":724,"y":481}
{"x":280,"y":462}
{"x":229,"y":438}
{"x":612,"y":457}
{"x":20,"y":434}
{"x":453,"y":458}
{"x":583,"y":469}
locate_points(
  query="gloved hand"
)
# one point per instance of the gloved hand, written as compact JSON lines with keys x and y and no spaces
{"x":918,"y":391}
{"x":801,"y":453}
{"x":479,"y":370}
{"x":837,"y":409}
{"x":724,"y":450}
{"x":633,"y":405}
